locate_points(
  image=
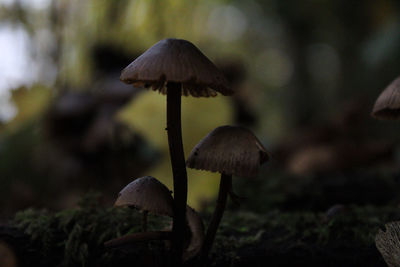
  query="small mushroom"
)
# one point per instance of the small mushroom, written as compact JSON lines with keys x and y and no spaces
{"x":175,"y":67}
{"x":387,"y":106}
{"x":229,"y":150}
{"x":147,"y":194}
{"x":194,"y":241}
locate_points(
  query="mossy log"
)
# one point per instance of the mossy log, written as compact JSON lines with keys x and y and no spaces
{"x":75,"y":237}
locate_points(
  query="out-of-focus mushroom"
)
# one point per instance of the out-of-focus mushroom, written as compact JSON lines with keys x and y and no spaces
{"x":388,"y":243}
{"x":229,"y":150}
{"x":147,"y":194}
{"x":175,"y":67}
{"x":72,"y":105}
{"x":7,"y":256}
{"x":338,"y":155}
{"x":387,"y":106}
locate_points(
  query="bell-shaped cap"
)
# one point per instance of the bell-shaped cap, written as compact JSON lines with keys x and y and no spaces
{"x":232,"y":150}
{"x":147,"y":193}
{"x":387,"y":106}
{"x":176,"y":60}
{"x":197,"y":234}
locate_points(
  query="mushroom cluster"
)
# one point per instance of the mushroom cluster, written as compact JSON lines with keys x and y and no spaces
{"x":176,"y":67}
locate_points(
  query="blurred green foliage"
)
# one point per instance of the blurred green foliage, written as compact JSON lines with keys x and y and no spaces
{"x":303,"y":61}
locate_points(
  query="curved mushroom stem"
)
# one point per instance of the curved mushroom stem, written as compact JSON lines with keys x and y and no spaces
{"x":144,"y":220}
{"x":224,"y":189}
{"x":137,"y":237}
{"x":178,"y":169}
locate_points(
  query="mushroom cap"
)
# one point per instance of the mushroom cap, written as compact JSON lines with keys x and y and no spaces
{"x":387,"y":106}
{"x":232,"y":150}
{"x":196,"y":227}
{"x":176,"y":60}
{"x":147,"y":193}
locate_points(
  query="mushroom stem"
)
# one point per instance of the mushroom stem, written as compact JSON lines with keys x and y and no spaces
{"x":224,"y":189}
{"x":138,"y":237}
{"x":178,"y":169}
{"x":144,"y":220}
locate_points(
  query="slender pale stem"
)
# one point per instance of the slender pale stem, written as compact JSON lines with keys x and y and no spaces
{"x":224,"y":188}
{"x":144,"y":220}
{"x":178,"y":169}
{"x":138,"y":237}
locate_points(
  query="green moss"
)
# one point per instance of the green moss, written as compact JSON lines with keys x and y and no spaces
{"x":74,"y":237}
{"x":283,"y":234}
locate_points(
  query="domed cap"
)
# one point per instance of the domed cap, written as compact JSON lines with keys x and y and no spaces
{"x":387,"y":106}
{"x":176,"y":60}
{"x":197,"y":234}
{"x":231,"y":150}
{"x":147,"y":193}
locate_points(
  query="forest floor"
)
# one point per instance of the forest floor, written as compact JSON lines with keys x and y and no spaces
{"x":320,"y":220}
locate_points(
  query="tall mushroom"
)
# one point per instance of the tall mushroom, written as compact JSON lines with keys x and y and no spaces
{"x":229,"y":150}
{"x":387,"y":106}
{"x":175,"y":67}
